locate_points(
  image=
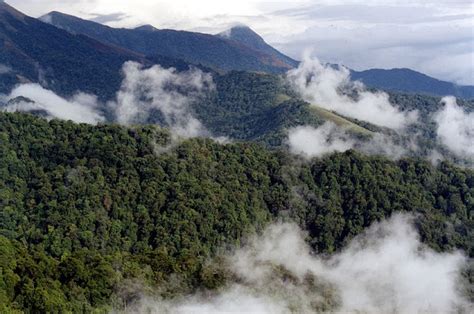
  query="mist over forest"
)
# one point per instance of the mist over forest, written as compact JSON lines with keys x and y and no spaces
{"x":150,"y":170}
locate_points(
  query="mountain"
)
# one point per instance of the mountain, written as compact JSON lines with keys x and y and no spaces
{"x":197,"y":48}
{"x":407,"y":80}
{"x":249,"y":38}
{"x":37,"y":52}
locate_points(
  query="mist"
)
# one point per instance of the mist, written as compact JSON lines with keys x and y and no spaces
{"x":331,"y":88}
{"x":455,"y":128}
{"x":81,"y":108}
{"x":161,"y":92}
{"x":147,"y":95}
{"x":386,"y":269}
{"x":310,"y":142}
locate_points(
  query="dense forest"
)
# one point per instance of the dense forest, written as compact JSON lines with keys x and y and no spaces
{"x":88,"y":210}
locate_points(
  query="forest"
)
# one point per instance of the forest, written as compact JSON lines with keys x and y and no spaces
{"x":86,"y":211}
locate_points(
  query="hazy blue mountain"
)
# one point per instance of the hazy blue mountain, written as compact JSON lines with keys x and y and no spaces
{"x":406,"y":80}
{"x":197,"y":48}
{"x":34,"y":51}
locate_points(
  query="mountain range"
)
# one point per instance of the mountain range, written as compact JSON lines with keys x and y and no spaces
{"x":216,"y":52}
{"x":66,"y":54}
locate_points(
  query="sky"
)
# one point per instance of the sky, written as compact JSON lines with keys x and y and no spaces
{"x":435,"y":37}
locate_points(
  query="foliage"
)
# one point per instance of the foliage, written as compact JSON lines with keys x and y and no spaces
{"x":87,"y":210}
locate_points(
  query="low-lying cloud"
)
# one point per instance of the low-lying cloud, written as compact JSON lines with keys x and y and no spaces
{"x":164,"y":92}
{"x":329,"y":138}
{"x":147,"y":95}
{"x":455,"y":128}
{"x":384,"y":270}
{"x":81,"y":108}
{"x":331,"y":88}
{"x":311,"y":142}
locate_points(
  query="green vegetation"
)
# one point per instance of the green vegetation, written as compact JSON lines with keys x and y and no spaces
{"x":88,"y":210}
{"x":253,"y":107}
{"x":340,"y":121}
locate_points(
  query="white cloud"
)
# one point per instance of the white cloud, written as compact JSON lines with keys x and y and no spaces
{"x":324,"y":86}
{"x":164,"y":90}
{"x":456,"y":128}
{"x":80,"y":108}
{"x":328,"y":138}
{"x":384,"y":270}
{"x":310,"y":142}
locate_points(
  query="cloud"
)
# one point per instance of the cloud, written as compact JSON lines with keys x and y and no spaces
{"x":311,"y":142}
{"x":455,"y":128}
{"x":161,"y":92}
{"x":384,"y":270}
{"x":331,"y":88}
{"x":147,"y":95}
{"x":328,"y":138}
{"x":80,"y":108}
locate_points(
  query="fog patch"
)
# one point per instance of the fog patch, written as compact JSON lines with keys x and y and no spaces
{"x":309,"y":142}
{"x":384,"y":270}
{"x":158,"y":93}
{"x":455,"y":128}
{"x":331,"y":88}
{"x":325,"y":139}
{"x":81,"y":108}
{"x":5,"y":69}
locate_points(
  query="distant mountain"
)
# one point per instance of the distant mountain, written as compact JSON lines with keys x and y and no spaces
{"x":197,"y":48}
{"x":406,"y":80}
{"x":249,"y":38}
{"x":147,"y":27}
{"x":33,"y":51}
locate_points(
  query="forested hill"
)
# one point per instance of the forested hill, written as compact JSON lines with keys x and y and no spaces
{"x":89,"y":210}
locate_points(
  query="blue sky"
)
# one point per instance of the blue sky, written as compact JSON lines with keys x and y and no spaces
{"x":434,"y":37}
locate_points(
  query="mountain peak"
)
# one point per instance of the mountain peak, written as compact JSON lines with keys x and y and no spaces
{"x":246,"y":36}
{"x":48,"y":18}
{"x":243,"y":34}
{"x":146,"y":27}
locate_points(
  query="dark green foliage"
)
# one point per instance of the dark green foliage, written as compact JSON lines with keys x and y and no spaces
{"x":253,"y":106}
{"x":86,"y":211}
